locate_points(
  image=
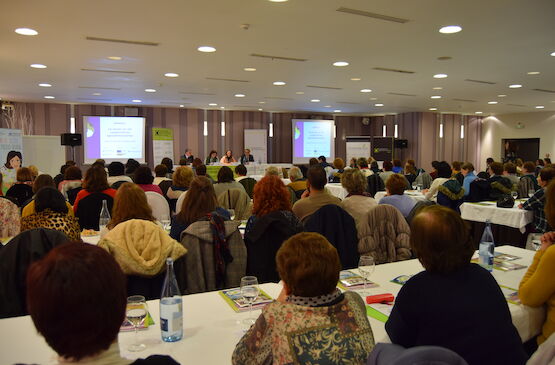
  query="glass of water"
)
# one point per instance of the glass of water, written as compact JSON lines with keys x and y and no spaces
{"x":366,"y":267}
{"x":135,"y":312}
{"x":514,"y":194}
{"x":531,"y":192}
{"x":249,"y":291}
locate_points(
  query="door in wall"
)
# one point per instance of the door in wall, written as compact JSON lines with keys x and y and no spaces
{"x":528,"y":149}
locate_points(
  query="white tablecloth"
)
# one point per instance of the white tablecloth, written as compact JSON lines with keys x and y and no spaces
{"x":510,"y":217}
{"x":212,"y":328}
{"x":415,"y":195}
{"x":258,"y":177}
{"x":337,"y":190}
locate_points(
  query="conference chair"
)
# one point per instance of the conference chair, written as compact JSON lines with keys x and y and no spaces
{"x":72,"y":194}
{"x":165,"y":185}
{"x":392,"y":354}
{"x":15,"y":258}
{"x":451,"y":195}
{"x":179,"y":202}
{"x":88,"y":210}
{"x":159,"y":205}
{"x":248,"y":183}
{"x":384,"y":234}
{"x":375,"y":184}
{"x":419,"y":205}
{"x":339,"y":227}
{"x":237,"y":200}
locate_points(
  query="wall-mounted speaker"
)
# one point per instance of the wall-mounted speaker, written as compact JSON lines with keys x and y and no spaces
{"x":401,"y":143}
{"x":71,"y":139}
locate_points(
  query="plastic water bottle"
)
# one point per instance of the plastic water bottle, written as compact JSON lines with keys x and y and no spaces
{"x":487,"y":247}
{"x":104,"y":216}
{"x":171,"y":307}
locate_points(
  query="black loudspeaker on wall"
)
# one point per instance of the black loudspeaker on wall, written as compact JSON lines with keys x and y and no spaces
{"x":401,"y":143}
{"x":71,"y":139}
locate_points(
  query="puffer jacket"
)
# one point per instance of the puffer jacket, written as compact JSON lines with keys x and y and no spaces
{"x":384,"y":234}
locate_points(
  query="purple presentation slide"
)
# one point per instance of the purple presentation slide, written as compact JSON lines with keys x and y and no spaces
{"x":92,"y":135}
{"x":298,"y":137}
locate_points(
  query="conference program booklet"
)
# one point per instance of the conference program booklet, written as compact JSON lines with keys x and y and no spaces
{"x":349,"y":280}
{"x":379,"y":311}
{"x":235,"y":299}
{"x":511,"y":294}
{"x":401,"y":279}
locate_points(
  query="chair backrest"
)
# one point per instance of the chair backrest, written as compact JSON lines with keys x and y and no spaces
{"x":292,"y":195}
{"x":72,"y":194}
{"x":20,"y":194}
{"x":299,"y":193}
{"x":15,"y":258}
{"x":238,"y":200}
{"x":419,"y":205}
{"x":88,"y":210}
{"x":117,"y":184}
{"x":151,"y":287}
{"x":159,"y":205}
{"x":375,"y":184}
{"x":179,"y":202}
{"x":165,"y":185}
{"x":479,"y":190}
{"x":424,"y":179}
{"x":339,"y":227}
{"x":392,"y":354}
{"x":525,"y":184}
{"x":384,"y":233}
{"x":445,"y":201}
{"x":248,"y":183}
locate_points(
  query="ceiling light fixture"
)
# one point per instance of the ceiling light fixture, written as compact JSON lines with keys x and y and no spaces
{"x":553,"y":54}
{"x":300,"y":93}
{"x":150,"y":90}
{"x":440,"y":76}
{"x":478,"y":112}
{"x":492,"y":102}
{"x":278,"y":1}
{"x":261,"y":102}
{"x":327,"y":106}
{"x":182,"y":106}
{"x":213,"y":104}
{"x":49,"y":97}
{"x":45,"y":85}
{"x":136,"y":100}
{"x":450,"y":29}
{"x":515,"y":86}
{"x":355,"y":79}
{"x":435,"y":97}
{"x":222,"y":107}
{"x":315,"y":100}
{"x":239,"y":95}
{"x":365,"y":91}
{"x":432,"y":109}
{"x":279,"y":83}
{"x":378,"y":104}
{"x":341,"y":63}
{"x":249,"y":69}
{"x":373,"y":98}
{"x":206,"y":49}
{"x":540,"y":106}
{"x":26,"y":31}
{"x":501,"y":95}
{"x":437,"y":88}
{"x":38,"y":65}
{"x":96,"y":94}
{"x":337,"y":111}
{"x":259,"y":109}
{"x":171,"y":74}
{"x":533,"y":73}
{"x":114,"y":58}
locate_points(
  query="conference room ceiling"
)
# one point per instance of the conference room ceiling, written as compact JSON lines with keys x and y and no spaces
{"x":500,"y":42}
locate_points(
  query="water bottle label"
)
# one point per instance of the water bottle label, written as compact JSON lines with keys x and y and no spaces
{"x":171,"y":318}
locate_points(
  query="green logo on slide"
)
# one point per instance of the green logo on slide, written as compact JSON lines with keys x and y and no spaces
{"x":297,"y":132}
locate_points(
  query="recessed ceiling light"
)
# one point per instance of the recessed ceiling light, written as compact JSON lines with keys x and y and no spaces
{"x":501,"y":95}
{"x":136,"y":100}
{"x":337,"y":111}
{"x":97,"y":94}
{"x":553,"y":54}
{"x":432,"y":109}
{"x":49,"y":97}
{"x":249,"y":69}
{"x":259,"y":109}
{"x":327,"y":106}
{"x":38,"y":65}
{"x":182,"y":106}
{"x":261,"y":102}
{"x":300,"y":93}
{"x":365,"y":91}
{"x":171,"y":74}
{"x":478,"y":112}
{"x":150,"y":90}
{"x":378,"y":104}
{"x":355,"y":79}
{"x":278,"y":1}
{"x":437,"y":88}
{"x":206,"y":49}
{"x":533,"y":73}
{"x":213,"y":104}
{"x":450,"y":29}
{"x":540,"y":106}
{"x":440,"y":76}
{"x":45,"y":85}
{"x":239,"y":95}
{"x":114,"y":58}
{"x":515,"y":86}
{"x":315,"y":100}
{"x":222,"y":107}
{"x":435,"y":97}
{"x":341,"y":63}
{"x":492,"y":102}
{"x":279,"y":83}
{"x":373,"y":98}
{"x":26,"y":31}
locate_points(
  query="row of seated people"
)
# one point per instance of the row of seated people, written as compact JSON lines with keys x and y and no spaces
{"x":308,"y":266}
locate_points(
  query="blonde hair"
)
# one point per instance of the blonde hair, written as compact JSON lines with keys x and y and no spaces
{"x":353,"y":181}
{"x":183,"y":176}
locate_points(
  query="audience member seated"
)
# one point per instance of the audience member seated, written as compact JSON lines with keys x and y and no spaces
{"x":374,"y":167}
{"x":271,"y":170}
{"x":391,"y":354}
{"x":397,"y":166}
{"x":200,"y":170}
{"x":51,"y":212}
{"x":92,"y":296}
{"x":242,"y":178}
{"x":9,"y":218}
{"x":433,"y":173}
{"x":95,"y":182}
{"x":443,"y":173}
{"x":130,"y":166}
{"x":384,"y":234}
{"x":519,"y":164}
{"x":34,"y":171}
{"x":72,"y":180}
{"x":353,"y":163}
{"x":315,"y":195}
{"x":536,"y":288}
{"x":467,"y":169}
{"x":311,"y":321}
{"x":527,"y":181}
{"x":387,"y":171}
{"x":395,"y":195}
{"x":362,"y":164}
{"x":95,"y":191}
{"x":540,"y":164}
{"x":129,"y":203}
{"x":358,"y":201}
{"x":271,"y":223}
{"x":453,"y":303}
{"x":181,"y":180}
{"x":143,"y":177}
{"x":226,"y":181}
{"x":60,"y":177}
{"x":116,"y":174}
{"x":486,"y":174}
{"x":227,"y":158}
{"x":499,"y":185}
{"x":339,"y":167}
{"x":410,"y":173}
{"x":537,"y":201}
{"x":509,"y":171}
{"x":298,"y":182}
{"x":456,"y":172}
{"x":22,"y":190}
{"x":15,"y":258}
{"x":40,"y":182}
{"x":168,"y":162}
{"x":313,"y":162}
{"x":450,"y":194}
{"x":160,"y":172}
{"x":200,"y":200}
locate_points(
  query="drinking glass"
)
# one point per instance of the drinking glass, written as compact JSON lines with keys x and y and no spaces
{"x":231,"y":214}
{"x":249,"y":291}
{"x":514,"y":194}
{"x":166,"y":223}
{"x":531,"y":192}
{"x":135,"y":312}
{"x":366,"y":267}
{"x":414,"y":186}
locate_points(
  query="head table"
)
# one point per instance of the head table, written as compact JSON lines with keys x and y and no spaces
{"x":212,"y":328}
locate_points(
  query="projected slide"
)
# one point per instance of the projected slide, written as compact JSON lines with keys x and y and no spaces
{"x":114,"y":138}
{"x":312,"y":138}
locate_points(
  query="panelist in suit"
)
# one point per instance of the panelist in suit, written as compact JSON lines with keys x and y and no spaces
{"x":246,"y":157}
{"x":188,"y":156}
